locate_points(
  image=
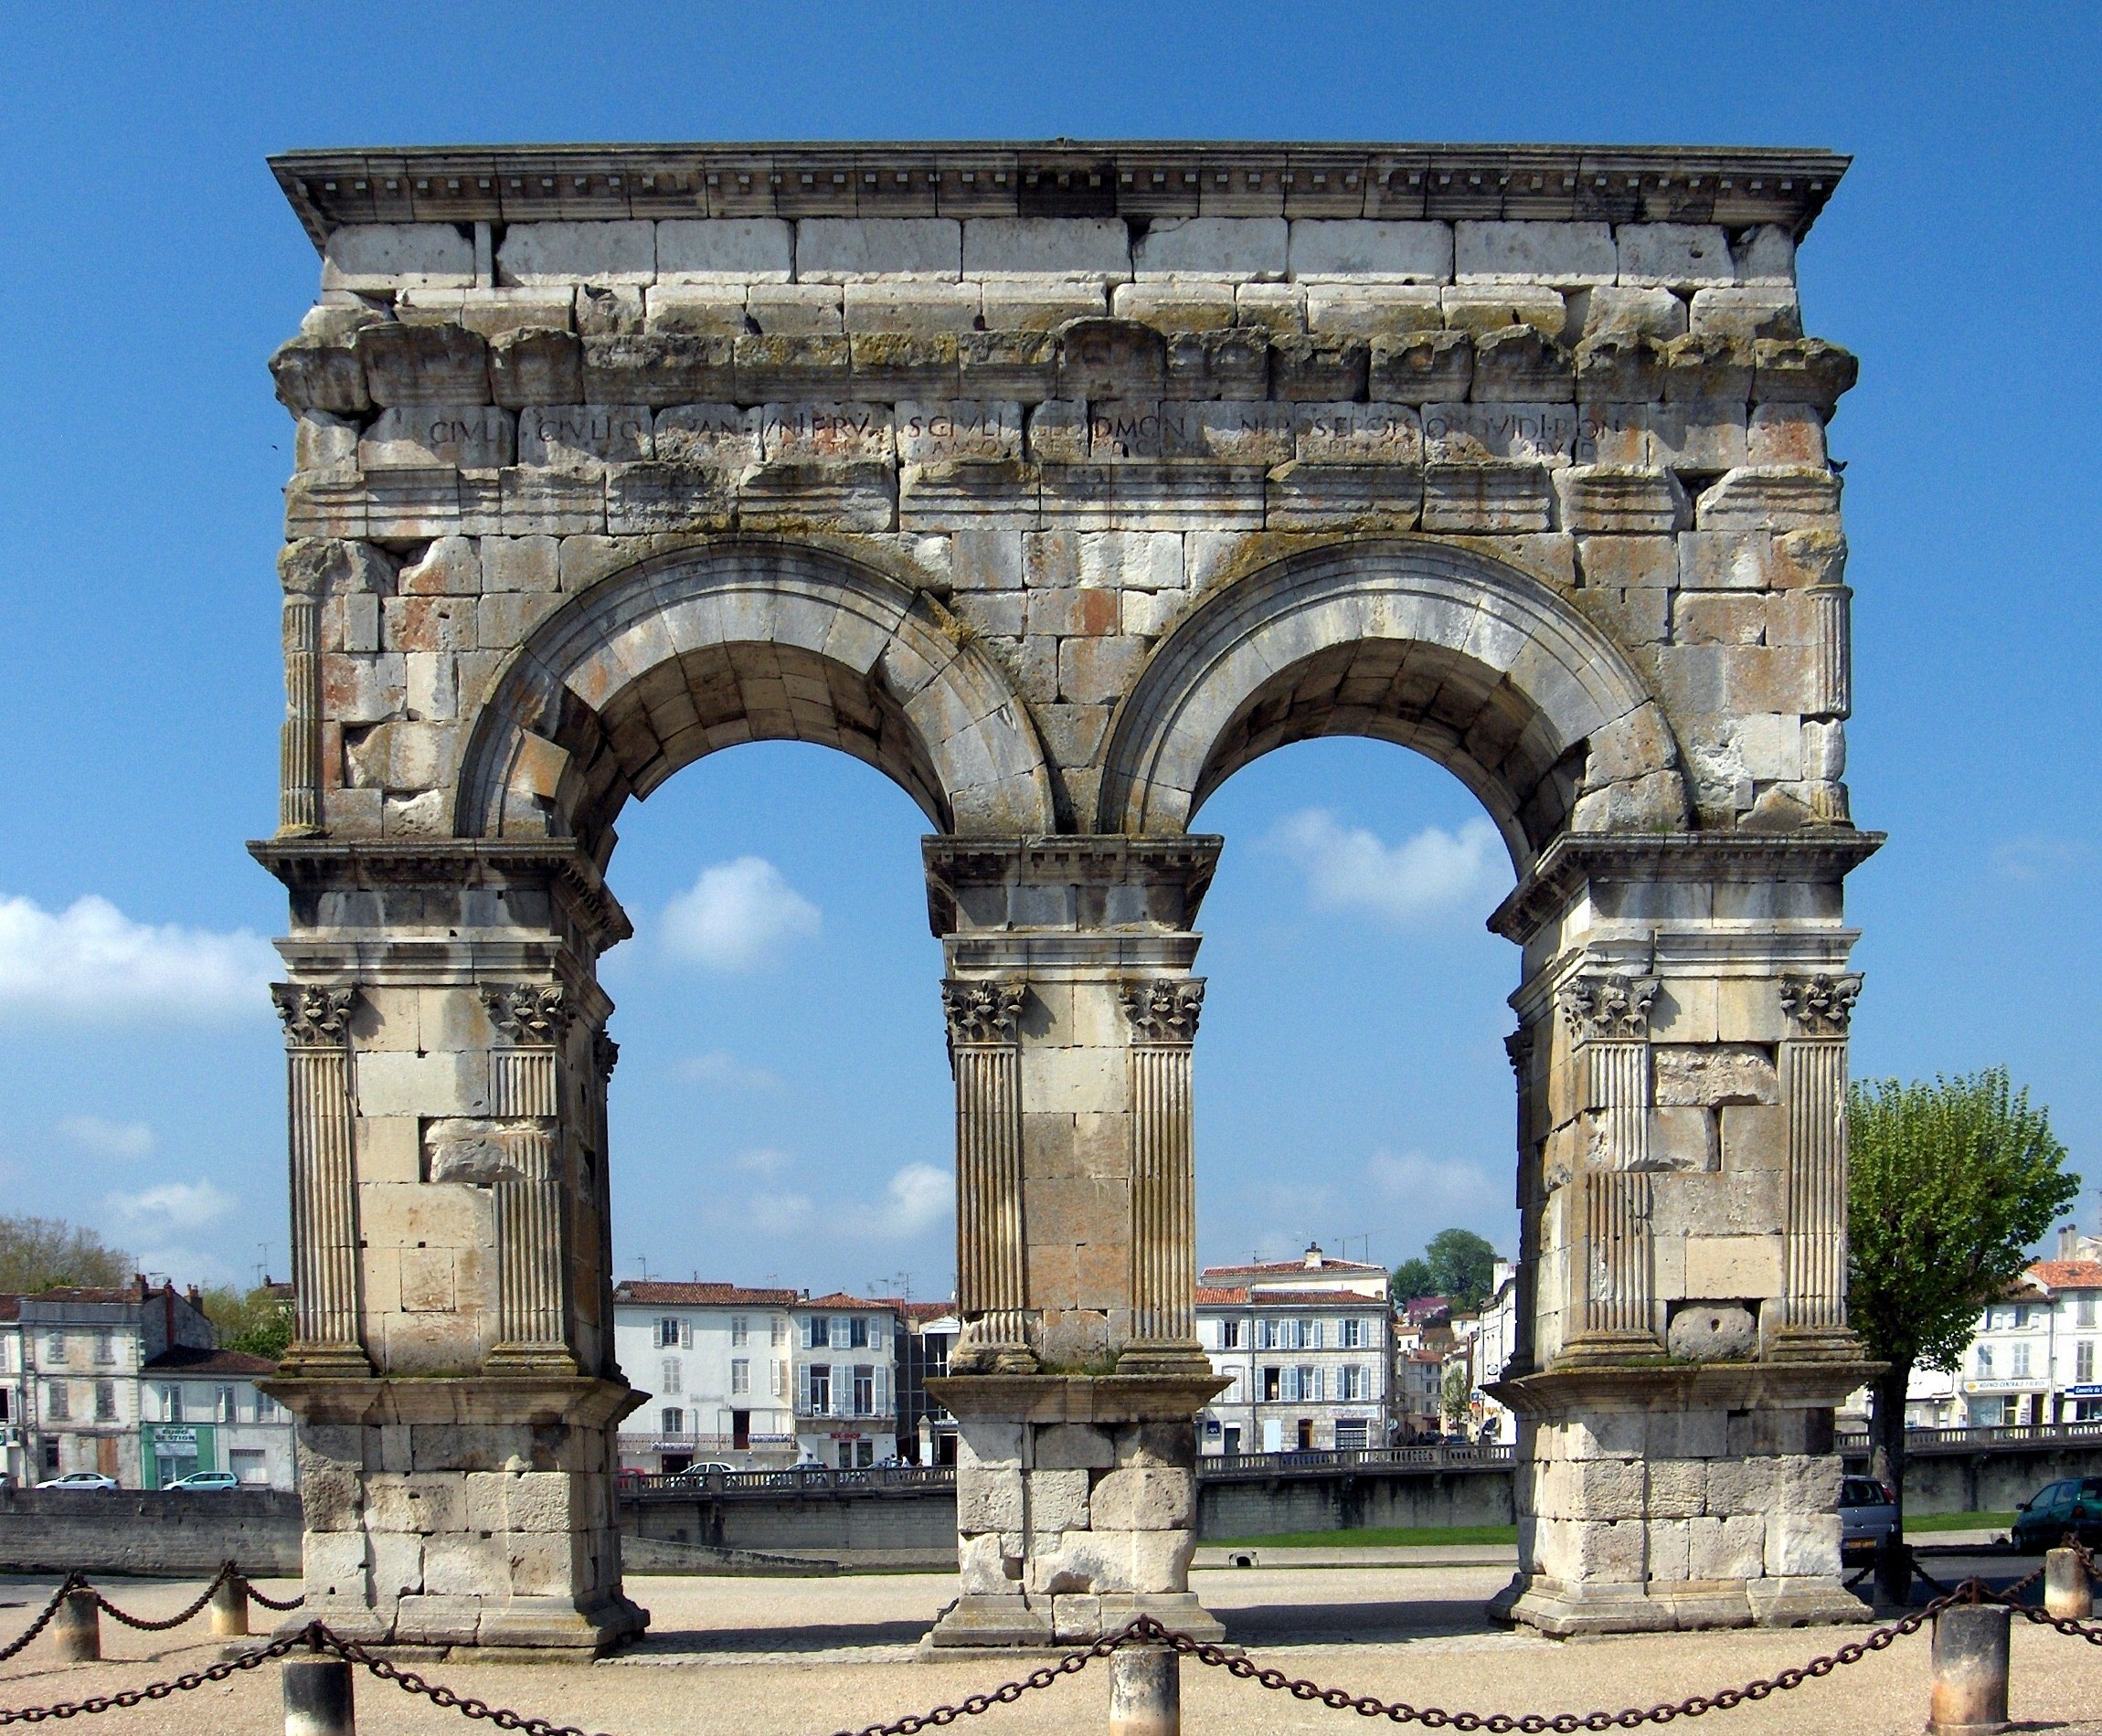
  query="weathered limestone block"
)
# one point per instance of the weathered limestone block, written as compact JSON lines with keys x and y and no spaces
{"x":1746,"y":312}
{"x":1109,"y":358}
{"x":1213,"y":246}
{"x":1340,"y":496}
{"x":564,"y":253}
{"x":1515,"y":363}
{"x":795,"y":310}
{"x":536,"y":367}
{"x":424,"y":364}
{"x":1709,"y":1077}
{"x":1275,"y":307}
{"x":1489,"y":495}
{"x":1777,"y":497}
{"x":1526,"y":252}
{"x":1057,"y":1500}
{"x":1357,"y":310}
{"x":1370,"y":252}
{"x":1649,"y":313}
{"x":725,"y":250}
{"x":585,"y":436}
{"x":848,"y":249}
{"x":659,"y":368}
{"x":393,"y":256}
{"x":320,"y":374}
{"x":1620,"y":367}
{"x":464,"y":435}
{"x":1145,"y":1498}
{"x":1726,"y":1549}
{"x":1802,"y":371}
{"x":1420,"y":367}
{"x":1179,"y":304}
{"x":1020,"y":365}
{"x":1044,"y":247}
{"x":1708,"y":366}
{"x":1317,"y":369}
{"x":917,"y":364}
{"x":1596,"y":498}
{"x":1706,"y":1332}
{"x":1680,"y":255}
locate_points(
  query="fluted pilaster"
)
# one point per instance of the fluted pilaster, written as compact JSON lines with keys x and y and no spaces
{"x":1608,"y":1015}
{"x":992,"y":1270}
{"x":525,"y":1092}
{"x":320,"y":1123}
{"x":1163,"y":1017}
{"x":1814,"y":1087}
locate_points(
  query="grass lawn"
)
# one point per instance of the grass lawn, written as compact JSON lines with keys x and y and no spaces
{"x":1374,"y":1537}
{"x":1917,"y":1523}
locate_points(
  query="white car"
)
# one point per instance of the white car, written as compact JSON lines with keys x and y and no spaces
{"x":82,"y":1480}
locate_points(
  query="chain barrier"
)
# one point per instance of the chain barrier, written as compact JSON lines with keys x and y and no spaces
{"x":129,"y":1697}
{"x":271,"y":1602}
{"x":146,"y":1625}
{"x":70,"y":1583}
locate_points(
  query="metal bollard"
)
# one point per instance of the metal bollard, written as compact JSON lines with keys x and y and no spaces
{"x":2067,"y":1595}
{"x":317,"y":1697}
{"x":1969,"y":1693}
{"x":78,"y":1627}
{"x":1145,"y":1691}
{"x":231,"y":1608}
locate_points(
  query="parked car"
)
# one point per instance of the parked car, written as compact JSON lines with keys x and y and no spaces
{"x":1868,"y":1514}
{"x":81,"y":1480}
{"x":2073,"y":1504}
{"x":699,"y":1473}
{"x":206,"y":1480}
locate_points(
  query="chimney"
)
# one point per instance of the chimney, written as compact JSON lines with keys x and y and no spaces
{"x":2068,"y":1243}
{"x":1313,"y":1256}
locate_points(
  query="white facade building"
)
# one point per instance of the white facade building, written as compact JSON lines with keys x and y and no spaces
{"x":846,"y":1385}
{"x":1307,"y":1348}
{"x":130,"y":1384}
{"x":715,"y":1362}
{"x":1492,"y":1344}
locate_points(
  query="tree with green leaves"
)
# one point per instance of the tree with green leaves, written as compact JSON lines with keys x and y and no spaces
{"x":259,"y":1322}
{"x":1950,"y":1184}
{"x":41,"y":1253}
{"x":1457,"y":1397}
{"x":1455,"y":1264}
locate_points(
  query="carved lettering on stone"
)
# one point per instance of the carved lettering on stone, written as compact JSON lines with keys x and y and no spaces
{"x":1165,"y":1009}
{"x":1820,"y":1006}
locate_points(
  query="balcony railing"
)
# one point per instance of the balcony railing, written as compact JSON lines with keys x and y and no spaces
{"x":802,"y":1479}
{"x":1313,"y":1462}
{"x":1859,"y":1440}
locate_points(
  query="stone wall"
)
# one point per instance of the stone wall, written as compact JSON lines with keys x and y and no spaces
{"x":154,"y":1533}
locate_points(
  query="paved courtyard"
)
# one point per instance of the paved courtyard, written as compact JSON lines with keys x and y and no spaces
{"x":806,"y":1658}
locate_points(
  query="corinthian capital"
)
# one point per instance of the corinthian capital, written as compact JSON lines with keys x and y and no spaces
{"x":1165,"y":1009}
{"x":315,"y":1018}
{"x":528,"y":1012}
{"x":1820,"y":1006}
{"x":1607,"y":1007}
{"x":982,"y":1012}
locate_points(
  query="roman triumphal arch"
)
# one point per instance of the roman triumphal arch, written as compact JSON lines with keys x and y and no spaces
{"x":1058,"y":483}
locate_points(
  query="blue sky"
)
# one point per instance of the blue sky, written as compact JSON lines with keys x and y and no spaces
{"x":781,"y":1107}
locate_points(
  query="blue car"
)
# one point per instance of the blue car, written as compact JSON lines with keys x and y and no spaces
{"x":2073,"y":1504}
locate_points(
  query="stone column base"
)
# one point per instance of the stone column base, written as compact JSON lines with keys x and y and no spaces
{"x":1561,"y":1609}
{"x":1013,"y":1620}
{"x":1075,"y":1506}
{"x":534,"y":1627}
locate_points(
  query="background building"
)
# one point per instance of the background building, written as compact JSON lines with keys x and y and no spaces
{"x":1306,"y":1346}
{"x":926,"y":1433}
{"x":846,"y":1349}
{"x":129,"y":1383}
{"x":714,"y":1362}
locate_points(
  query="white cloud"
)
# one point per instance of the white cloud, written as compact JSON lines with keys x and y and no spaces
{"x":737,"y":916}
{"x":920,"y":1197}
{"x":1436,"y":1184}
{"x":762,"y":1161}
{"x":92,"y":961}
{"x":728,"y":1073}
{"x":184,"y":1203}
{"x":778,"y":1212}
{"x":108,"y":1139}
{"x":1348,"y":868}
{"x":2040,"y":856}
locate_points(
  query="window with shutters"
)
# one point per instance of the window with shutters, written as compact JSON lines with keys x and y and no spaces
{"x":780,"y":1379}
{"x":1310,"y":1335}
{"x":2020,"y":1360}
{"x":1985,"y":1362}
{"x":1229,"y":1335}
{"x":1350,"y":1334}
{"x":1310,"y":1386}
{"x":2084,"y":1309}
{"x":839,"y":1326}
{"x":105,"y":1400}
{"x":672,"y":1420}
{"x":1272,"y":1385}
{"x":670,"y":1383}
{"x":817,"y":1398}
{"x":781,"y":1329}
{"x":2084,"y":1360}
{"x":857,"y":1333}
{"x":105,"y":1349}
{"x":740,"y":1329}
{"x":57,"y":1406}
{"x":55,"y":1349}
{"x":740,"y":1374}
{"x":226,"y":1404}
{"x":1232,"y":1389}
{"x":668,"y":1333}
{"x":864,"y":1391}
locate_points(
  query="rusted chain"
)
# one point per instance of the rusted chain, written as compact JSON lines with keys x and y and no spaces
{"x":324,"y":1638}
{"x":126,"y":1698}
{"x":72,"y":1582}
{"x":145,"y":1626}
{"x":271,"y":1602}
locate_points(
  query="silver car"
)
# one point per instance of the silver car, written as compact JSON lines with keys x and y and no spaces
{"x":1868,"y":1513}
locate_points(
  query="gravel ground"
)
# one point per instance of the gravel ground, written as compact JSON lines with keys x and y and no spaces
{"x":801,"y":1658}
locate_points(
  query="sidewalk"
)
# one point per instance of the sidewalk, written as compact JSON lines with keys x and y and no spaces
{"x":803,"y":1657}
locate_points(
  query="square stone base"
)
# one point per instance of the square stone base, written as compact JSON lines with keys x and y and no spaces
{"x":1563,"y":1609}
{"x":1012,"y":1620}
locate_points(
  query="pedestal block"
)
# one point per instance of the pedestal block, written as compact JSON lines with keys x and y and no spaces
{"x":1075,"y":1506}
{"x":1678,"y":1498}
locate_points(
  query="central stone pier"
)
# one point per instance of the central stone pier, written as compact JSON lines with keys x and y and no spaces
{"x":1076,"y":1388}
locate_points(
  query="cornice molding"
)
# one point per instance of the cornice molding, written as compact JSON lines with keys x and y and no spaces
{"x":308,"y":864}
{"x":1575,"y":858}
{"x":1060,"y":177}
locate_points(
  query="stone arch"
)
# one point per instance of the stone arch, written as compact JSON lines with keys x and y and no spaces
{"x":746,"y":640}
{"x":1456,"y":655}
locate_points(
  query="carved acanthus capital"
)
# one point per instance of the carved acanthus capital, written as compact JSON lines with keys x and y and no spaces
{"x":1518,"y":1051}
{"x":315,"y":1018}
{"x":1165,"y":1009}
{"x":605,"y":1053}
{"x":528,"y":1012}
{"x":1820,"y":1006}
{"x":980,"y":1011}
{"x":1606,"y":1008}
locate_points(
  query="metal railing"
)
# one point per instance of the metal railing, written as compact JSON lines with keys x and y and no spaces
{"x":1313,"y":1462}
{"x":1956,"y":1440}
{"x":802,"y":1479}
